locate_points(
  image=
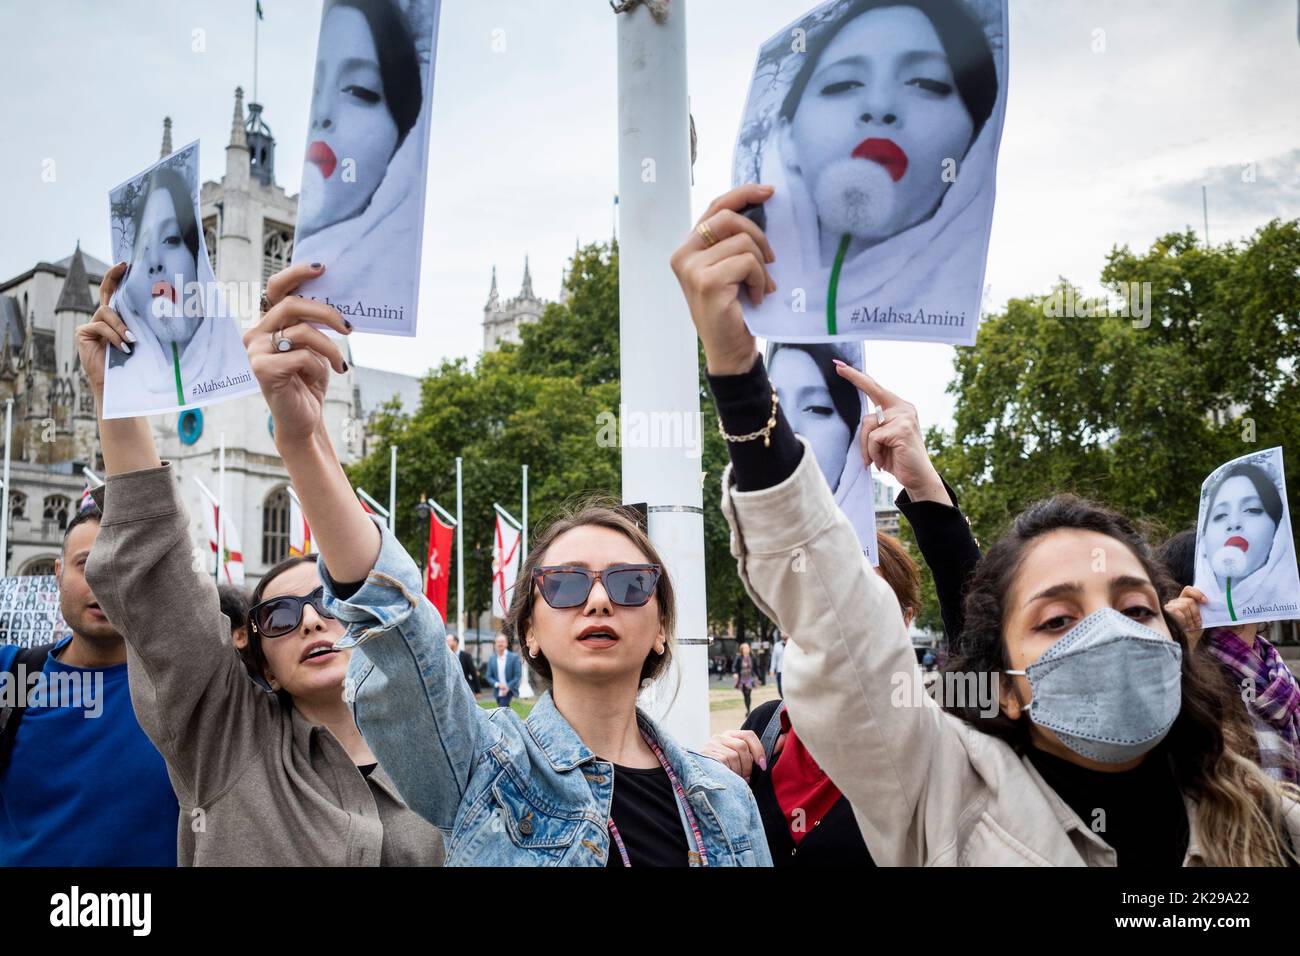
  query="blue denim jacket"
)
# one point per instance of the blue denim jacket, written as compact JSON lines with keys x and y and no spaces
{"x":504,"y":791}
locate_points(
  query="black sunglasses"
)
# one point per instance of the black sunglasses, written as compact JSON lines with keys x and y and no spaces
{"x":279,"y":616}
{"x":628,"y":585}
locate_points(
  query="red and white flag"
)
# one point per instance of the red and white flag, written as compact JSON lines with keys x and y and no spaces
{"x":437,"y":569}
{"x":505,"y":564}
{"x":299,"y":529}
{"x":232,"y":560}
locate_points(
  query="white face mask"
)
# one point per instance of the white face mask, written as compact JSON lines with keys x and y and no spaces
{"x":1110,"y":689}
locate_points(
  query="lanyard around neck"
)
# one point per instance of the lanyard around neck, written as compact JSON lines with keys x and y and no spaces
{"x":696,"y":857}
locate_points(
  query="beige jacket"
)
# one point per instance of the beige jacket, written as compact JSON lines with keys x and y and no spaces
{"x":258,"y":784}
{"x":926,"y":788}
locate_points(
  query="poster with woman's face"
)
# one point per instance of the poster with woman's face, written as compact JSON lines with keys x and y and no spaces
{"x":1245,"y":555}
{"x":877,"y":122}
{"x":361,"y":208}
{"x":827,"y":411}
{"x":189,"y":350}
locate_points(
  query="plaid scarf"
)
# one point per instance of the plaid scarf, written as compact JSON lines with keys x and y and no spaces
{"x":1272,"y":698}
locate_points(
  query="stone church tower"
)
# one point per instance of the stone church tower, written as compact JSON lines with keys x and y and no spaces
{"x":502,"y":320}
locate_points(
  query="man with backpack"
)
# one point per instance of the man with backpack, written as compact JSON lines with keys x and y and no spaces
{"x":80,"y":783}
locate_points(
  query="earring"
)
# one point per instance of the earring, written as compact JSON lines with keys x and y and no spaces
{"x":532,"y":653}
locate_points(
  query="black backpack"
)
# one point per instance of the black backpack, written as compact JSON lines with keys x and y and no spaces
{"x":10,"y":717}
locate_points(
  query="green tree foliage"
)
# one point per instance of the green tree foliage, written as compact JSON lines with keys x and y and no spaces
{"x":1132,"y":414}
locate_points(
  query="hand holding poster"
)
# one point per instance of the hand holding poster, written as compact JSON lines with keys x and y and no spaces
{"x":361,"y":209}
{"x":187,"y":349}
{"x":877,"y":122}
{"x":1245,"y":555}
{"x":827,"y":411}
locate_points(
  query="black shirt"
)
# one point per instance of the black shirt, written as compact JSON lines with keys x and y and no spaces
{"x":1139,"y":812}
{"x":834,"y":841}
{"x":645,"y":811}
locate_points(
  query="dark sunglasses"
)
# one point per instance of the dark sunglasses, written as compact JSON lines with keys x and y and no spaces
{"x":279,"y":616}
{"x":628,"y":585}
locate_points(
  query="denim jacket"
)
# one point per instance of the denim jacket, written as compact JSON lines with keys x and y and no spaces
{"x":504,"y":791}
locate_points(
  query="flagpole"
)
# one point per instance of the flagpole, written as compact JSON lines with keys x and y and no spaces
{"x":460,"y":559}
{"x":523,"y":539}
{"x":256,"y":17}
{"x":392,"y":488}
{"x":221,"y":504}
{"x":657,"y":345}
{"x":4,"y":510}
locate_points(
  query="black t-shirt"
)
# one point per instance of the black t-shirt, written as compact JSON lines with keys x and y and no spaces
{"x":644,"y":809}
{"x":1139,"y":812}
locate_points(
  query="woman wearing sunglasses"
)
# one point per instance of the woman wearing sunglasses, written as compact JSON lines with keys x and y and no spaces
{"x":263,"y":779}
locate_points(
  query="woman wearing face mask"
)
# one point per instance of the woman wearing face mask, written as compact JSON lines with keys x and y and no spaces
{"x":877,"y":158}
{"x":1150,"y":771}
{"x":365,"y":140}
{"x":264,"y":779}
{"x":1259,"y":676}
{"x":587,"y":779}
{"x":170,"y":348}
{"x":1245,"y":542}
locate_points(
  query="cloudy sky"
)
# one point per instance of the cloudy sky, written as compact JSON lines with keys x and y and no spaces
{"x":1119,"y":111}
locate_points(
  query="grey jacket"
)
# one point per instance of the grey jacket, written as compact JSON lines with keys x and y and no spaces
{"x":258,"y":784}
{"x":926,"y":787}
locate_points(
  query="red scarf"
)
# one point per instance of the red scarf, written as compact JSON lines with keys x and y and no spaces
{"x":804,"y":793}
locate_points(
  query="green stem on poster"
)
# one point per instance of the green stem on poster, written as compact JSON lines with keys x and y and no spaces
{"x":1231,"y":612}
{"x":176,"y":364}
{"x":833,"y":291}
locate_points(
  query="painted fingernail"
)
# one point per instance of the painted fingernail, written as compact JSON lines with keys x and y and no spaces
{"x":129,"y":335}
{"x":347,"y":325}
{"x":345,"y":366}
{"x":125,"y":348}
{"x":317,"y":265}
{"x":762,"y":763}
{"x":839,"y":364}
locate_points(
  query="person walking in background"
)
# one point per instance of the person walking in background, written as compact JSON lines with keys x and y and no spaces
{"x":504,"y":671}
{"x":466,"y":663}
{"x":778,"y":659}
{"x":746,"y":674}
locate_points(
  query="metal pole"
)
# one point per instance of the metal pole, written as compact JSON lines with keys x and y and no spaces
{"x":221,"y":505}
{"x":523,"y":533}
{"x":392,"y":488}
{"x":1205,"y":211}
{"x":4,"y":511}
{"x":660,"y":374}
{"x":460,"y":557}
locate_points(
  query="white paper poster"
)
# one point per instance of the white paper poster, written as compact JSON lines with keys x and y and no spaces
{"x":1245,"y":555}
{"x":189,"y":349}
{"x":361,"y":209}
{"x":877,"y":122}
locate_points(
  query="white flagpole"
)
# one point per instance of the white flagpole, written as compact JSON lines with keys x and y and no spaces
{"x":523,"y":534}
{"x":4,"y":510}
{"x":659,"y":369}
{"x":392,"y":487}
{"x":460,"y":557}
{"x":221,"y":505}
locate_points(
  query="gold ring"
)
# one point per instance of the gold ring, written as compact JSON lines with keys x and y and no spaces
{"x":706,"y":234}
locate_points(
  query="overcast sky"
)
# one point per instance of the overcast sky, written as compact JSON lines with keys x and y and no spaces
{"x":1099,"y":147}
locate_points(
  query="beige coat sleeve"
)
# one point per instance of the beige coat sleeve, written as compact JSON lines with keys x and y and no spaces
{"x":851,"y":681}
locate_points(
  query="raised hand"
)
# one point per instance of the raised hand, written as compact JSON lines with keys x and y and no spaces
{"x":294,"y":379}
{"x":1186,"y":610}
{"x":724,"y":252}
{"x":892,"y":439}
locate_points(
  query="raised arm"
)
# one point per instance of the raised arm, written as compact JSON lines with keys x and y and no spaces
{"x":188,"y":687}
{"x":409,"y":695}
{"x":850,"y":676}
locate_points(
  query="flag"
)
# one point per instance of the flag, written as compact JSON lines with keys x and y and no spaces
{"x":365,"y":507}
{"x":86,"y":500}
{"x":437,"y":569}
{"x":505,"y":565}
{"x":299,"y":529}
{"x":232,"y":562}
{"x":259,"y":10}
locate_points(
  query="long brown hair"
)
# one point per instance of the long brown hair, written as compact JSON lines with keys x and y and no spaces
{"x":1240,"y":809}
{"x":595,"y":512}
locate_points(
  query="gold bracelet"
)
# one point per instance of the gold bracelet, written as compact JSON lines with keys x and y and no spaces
{"x":764,"y":433}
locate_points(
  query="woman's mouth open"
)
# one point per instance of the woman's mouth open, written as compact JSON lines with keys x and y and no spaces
{"x":164,"y":289}
{"x":320,"y":153}
{"x":598,"y":636}
{"x":1237,"y":541}
{"x":885,"y":152}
